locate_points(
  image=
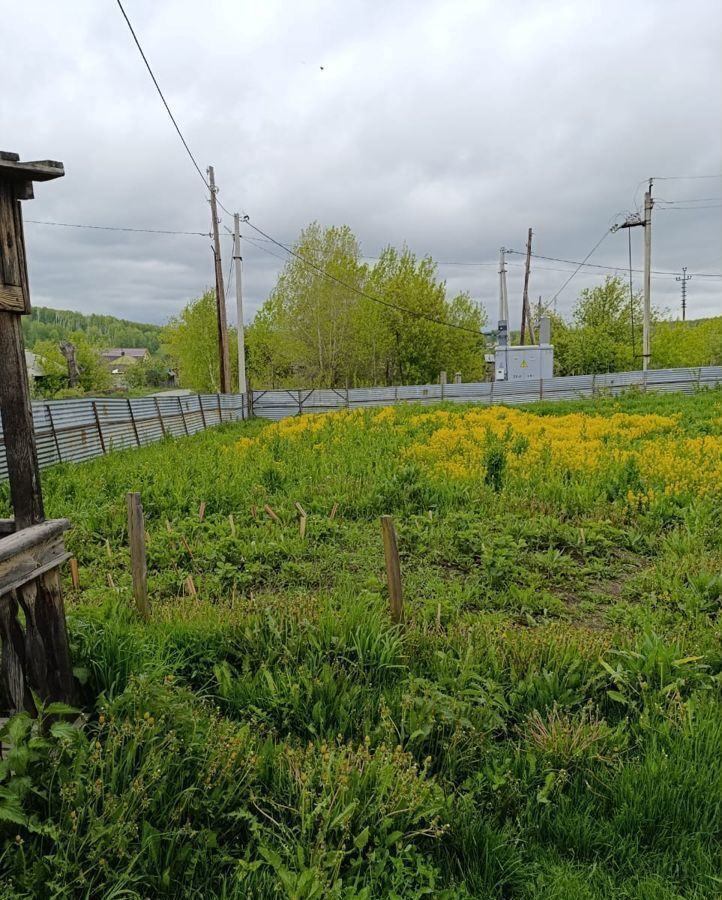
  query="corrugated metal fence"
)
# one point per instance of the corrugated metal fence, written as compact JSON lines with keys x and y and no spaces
{"x":76,"y":430}
{"x":280,"y":404}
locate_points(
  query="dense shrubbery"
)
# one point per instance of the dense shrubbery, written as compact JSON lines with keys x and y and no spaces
{"x":547,"y":725}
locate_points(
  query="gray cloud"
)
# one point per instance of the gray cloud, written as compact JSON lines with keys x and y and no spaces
{"x":449,"y":126}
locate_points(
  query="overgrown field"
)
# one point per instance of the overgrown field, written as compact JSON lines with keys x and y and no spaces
{"x":547,"y":724}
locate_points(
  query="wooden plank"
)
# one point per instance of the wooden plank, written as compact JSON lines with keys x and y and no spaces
{"x":270,"y":512}
{"x":47,"y":650}
{"x":12,"y":298}
{"x":30,"y":553}
{"x":136,"y":541}
{"x":17,"y":421}
{"x":7,"y":526}
{"x":12,"y":660}
{"x":393,"y":570}
{"x":37,"y":170}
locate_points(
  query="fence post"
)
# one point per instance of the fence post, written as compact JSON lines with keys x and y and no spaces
{"x":183,"y":415}
{"x":160,"y":416}
{"x":300,"y":404}
{"x":132,"y":422}
{"x":136,"y":541}
{"x":220,"y":411}
{"x":97,"y":423}
{"x":54,"y":433}
{"x":393,"y":570}
{"x":203,"y":413}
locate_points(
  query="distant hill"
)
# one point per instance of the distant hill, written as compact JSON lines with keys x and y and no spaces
{"x":46,"y":324}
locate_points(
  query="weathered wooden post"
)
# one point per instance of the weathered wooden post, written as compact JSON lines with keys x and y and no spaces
{"x":35,"y":655}
{"x":393,"y":570}
{"x":138,"y":564}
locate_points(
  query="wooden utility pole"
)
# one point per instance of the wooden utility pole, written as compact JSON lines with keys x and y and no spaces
{"x":525,"y":306}
{"x":237,"y":260}
{"x":68,"y":351}
{"x":35,"y":651}
{"x":225,"y":366}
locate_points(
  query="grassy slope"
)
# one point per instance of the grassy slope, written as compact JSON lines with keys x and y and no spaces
{"x":537,"y":731}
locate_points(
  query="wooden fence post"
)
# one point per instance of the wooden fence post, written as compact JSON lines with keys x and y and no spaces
{"x":203,"y":414}
{"x":97,"y":425}
{"x":183,"y":415}
{"x":132,"y":422}
{"x":393,"y":570}
{"x":160,"y":416}
{"x":54,"y":432}
{"x":136,"y":541}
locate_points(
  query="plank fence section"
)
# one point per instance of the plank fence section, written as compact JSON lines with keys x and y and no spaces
{"x":77,"y":430}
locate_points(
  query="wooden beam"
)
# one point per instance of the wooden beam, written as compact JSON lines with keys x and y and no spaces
{"x":38,"y":170}
{"x":31,"y":552}
{"x":7,"y":526}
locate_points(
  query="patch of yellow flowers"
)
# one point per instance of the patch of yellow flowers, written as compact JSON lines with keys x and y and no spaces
{"x":454,"y":444}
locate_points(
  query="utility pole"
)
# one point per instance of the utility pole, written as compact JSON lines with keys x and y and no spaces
{"x":684,"y":278}
{"x":503,"y":299}
{"x":225,"y":367}
{"x":647,"y":274}
{"x":237,"y":259}
{"x":525,"y":308}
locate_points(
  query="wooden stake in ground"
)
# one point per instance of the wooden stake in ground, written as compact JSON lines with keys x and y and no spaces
{"x":334,"y":510}
{"x":75,"y":578}
{"x":136,"y":541}
{"x":302,"y":520}
{"x":202,"y":511}
{"x":232,"y":523}
{"x":272,"y":514}
{"x":393,"y":570}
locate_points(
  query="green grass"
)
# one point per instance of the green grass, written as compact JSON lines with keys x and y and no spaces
{"x":547,"y":725}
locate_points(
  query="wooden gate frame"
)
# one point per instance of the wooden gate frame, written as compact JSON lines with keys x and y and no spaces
{"x":35,"y":654}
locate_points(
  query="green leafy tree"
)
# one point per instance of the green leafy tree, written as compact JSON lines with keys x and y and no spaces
{"x":149,"y":373}
{"x":94,"y":372}
{"x":191,"y":339}
{"x":314,"y":331}
{"x":600,"y":338}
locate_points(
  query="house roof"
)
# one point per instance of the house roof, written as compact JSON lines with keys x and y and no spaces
{"x":116,"y":352}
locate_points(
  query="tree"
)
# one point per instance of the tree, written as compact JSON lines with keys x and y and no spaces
{"x":153,"y":372}
{"x":192,"y":344}
{"x":94,"y":372}
{"x":604,"y":324}
{"x":314,"y":331}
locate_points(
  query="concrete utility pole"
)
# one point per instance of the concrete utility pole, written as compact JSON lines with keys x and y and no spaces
{"x":237,"y":260}
{"x":648,"y":203}
{"x":525,"y":308}
{"x":503,"y":299}
{"x":684,"y":278}
{"x":225,"y":366}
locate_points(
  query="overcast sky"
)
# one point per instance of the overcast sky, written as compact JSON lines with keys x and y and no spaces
{"x":448,"y":125}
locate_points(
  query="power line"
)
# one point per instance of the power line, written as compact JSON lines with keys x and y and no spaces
{"x":160,"y":93}
{"x":682,"y":177}
{"x":606,"y":232}
{"x":575,"y":262}
{"x":116,"y":228}
{"x":355,"y":290}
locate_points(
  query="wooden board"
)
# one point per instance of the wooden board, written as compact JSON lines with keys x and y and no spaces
{"x":29,"y":553}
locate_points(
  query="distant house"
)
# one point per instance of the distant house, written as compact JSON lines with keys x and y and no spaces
{"x":119,"y":358}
